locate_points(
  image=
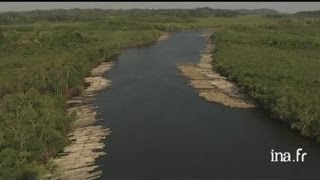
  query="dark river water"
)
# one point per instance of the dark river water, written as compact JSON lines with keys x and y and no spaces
{"x":161,"y":129}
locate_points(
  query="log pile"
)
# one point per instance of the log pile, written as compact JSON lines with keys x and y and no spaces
{"x":164,"y":36}
{"x":77,"y":161}
{"x":211,"y":85}
{"x":96,"y":81}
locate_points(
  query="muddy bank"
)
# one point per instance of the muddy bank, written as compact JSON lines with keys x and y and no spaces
{"x":211,"y":85}
{"x":77,"y":161}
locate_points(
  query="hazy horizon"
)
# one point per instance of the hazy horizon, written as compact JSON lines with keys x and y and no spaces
{"x":285,"y":7}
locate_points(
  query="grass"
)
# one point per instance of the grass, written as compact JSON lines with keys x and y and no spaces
{"x":39,"y":65}
{"x":275,"y":59}
{"x":278,"y":65}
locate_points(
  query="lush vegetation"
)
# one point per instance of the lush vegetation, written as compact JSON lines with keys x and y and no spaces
{"x":46,"y":54}
{"x":41,"y":65}
{"x":59,"y":15}
{"x":278,"y":64}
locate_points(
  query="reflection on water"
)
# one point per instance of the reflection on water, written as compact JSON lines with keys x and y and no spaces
{"x":163,"y":130}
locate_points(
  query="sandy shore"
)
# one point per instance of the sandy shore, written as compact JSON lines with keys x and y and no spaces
{"x":211,"y":85}
{"x":77,"y":161}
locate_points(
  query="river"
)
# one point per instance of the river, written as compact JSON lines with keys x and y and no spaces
{"x":162,"y":130}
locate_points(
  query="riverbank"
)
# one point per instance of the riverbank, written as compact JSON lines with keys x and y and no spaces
{"x":78,"y":158}
{"x":210,"y":84}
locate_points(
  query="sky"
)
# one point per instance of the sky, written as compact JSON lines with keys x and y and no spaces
{"x":286,"y":7}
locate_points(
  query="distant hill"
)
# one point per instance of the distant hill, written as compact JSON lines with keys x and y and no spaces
{"x":263,"y":11}
{"x":308,"y":13}
{"x":206,"y":11}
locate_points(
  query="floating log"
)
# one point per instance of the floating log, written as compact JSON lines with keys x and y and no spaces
{"x":211,"y":85}
{"x":164,"y":36}
{"x":77,"y":161}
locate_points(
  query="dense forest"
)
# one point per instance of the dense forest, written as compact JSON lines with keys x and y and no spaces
{"x":308,"y":13}
{"x":263,"y":11}
{"x":60,"y":15}
{"x":99,"y":14}
{"x":46,"y":54}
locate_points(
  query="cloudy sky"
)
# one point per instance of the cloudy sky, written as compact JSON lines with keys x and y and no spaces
{"x":288,"y":7}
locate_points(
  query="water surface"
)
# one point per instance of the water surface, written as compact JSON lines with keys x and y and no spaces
{"x":162,"y":130}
